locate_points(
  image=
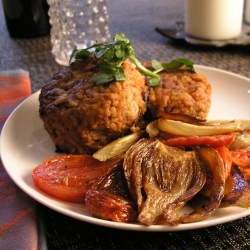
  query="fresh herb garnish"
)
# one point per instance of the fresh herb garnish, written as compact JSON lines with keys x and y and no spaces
{"x":115,"y":53}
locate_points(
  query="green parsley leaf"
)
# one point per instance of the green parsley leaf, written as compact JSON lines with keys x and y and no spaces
{"x":119,"y":74}
{"x":121,"y":37}
{"x":178,"y":63}
{"x":100,"y":52}
{"x":110,"y":52}
{"x":120,"y":52}
{"x":154,"y":82}
{"x":157,"y":65}
{"x":107,"y":67}
{"x":115,"y":52}
{"x":102,"y":78}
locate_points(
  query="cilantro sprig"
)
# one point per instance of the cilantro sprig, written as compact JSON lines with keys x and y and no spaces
{"x":114,"y":53}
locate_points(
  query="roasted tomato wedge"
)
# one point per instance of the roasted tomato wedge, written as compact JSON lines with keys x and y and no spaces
{"x":241,"y":158}
{"x":190,"y":141}
{"x":68,"y":177}
{"x":226,"y":156}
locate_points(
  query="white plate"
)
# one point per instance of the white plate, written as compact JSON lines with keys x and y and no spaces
{"x":25,"y":144}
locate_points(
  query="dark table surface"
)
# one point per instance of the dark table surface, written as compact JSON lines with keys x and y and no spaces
{"x":137,"y":20}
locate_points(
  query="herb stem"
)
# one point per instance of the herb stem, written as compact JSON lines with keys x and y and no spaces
{"x":143,"y":69}
{"x":157,"y":71}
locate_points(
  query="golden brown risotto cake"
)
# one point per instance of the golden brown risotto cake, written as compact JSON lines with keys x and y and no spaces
{"x":181,"y":91}
{"x":82,"y":117}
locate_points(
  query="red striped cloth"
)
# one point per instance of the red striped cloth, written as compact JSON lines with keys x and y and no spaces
{"x":17,"y":210}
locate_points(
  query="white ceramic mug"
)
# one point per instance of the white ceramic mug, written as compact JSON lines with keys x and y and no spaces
{"x":214,"y":19}
{"x":247,"y":11}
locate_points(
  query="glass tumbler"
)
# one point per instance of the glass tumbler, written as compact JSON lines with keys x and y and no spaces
{"x":76,"y":23}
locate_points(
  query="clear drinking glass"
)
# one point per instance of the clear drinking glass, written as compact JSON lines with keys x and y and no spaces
{"x":76,"y":23}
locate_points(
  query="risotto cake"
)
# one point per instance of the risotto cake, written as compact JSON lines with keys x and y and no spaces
{"x":181,"y":91}
{"x":81,"y":117}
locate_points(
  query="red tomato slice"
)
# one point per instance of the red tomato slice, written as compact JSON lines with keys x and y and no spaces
{"x":68,"y":177}
{"x":241,"y":158}
{"x":227,"y":159}
{"x":214,"y":141}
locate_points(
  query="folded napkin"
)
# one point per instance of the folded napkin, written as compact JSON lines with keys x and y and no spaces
{"x":18,"y":229}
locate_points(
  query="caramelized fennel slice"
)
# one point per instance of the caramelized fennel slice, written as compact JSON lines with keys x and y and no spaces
{"x":242,"y":141}
{"x":244,"y":124}
{"x":117,"y":147}
{"x":181,"y":117}
{"x":213,"y":192}
{"x":158,"y":175}
{"x":133,"y":175}
{"x":187,"y":129}
{"x":152,"y":129}
{"x":237,"y":190}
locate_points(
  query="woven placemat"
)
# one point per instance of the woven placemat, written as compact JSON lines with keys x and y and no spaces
{"x":68,"y":233}
{"x":137,"y":20}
